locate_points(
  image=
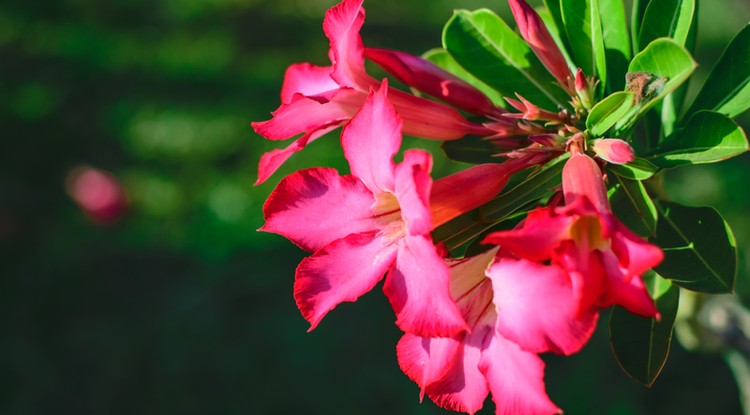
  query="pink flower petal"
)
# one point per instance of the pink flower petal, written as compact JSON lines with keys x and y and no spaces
{"x":537,"y":238}
{"x":342,"y":25}
{"x":626,"y":291}
{"x":339,"y":272}
{"x":463,"y":387}
{"x":515,"y":378}
{"x":433,"y":80}
{"x":412,"y":189}
{"x":586,"y":272}
{"x":461,"y":192}
{"x":308,"y":80}
{"x":536,"y":308}
{"x":614,"y":150}
{"x":370,"y":141}
{"x":316,"y":206}
{"x":426,"y":360}
{"x":582,"y":177}
{"x":272,"y":160}
{"x":418,"y":288}
{"x":635,"y":254}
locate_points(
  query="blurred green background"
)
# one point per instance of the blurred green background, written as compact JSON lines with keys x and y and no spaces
{"x":181,"y":306}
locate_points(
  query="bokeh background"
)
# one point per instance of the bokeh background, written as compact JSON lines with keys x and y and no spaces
{"x":180,"y":306}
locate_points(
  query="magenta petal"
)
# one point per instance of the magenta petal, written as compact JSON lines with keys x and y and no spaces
{"x":635,"y":254}
{"x":625,"y":291}
{"x":371,"y":139}
{"x":418,"y":288}
{"x":316,"y":206}
{"x":515,"y":378}
{"x":342,"y":25}
{"x":306,"y":115}
{"x":426,"y":360}
{"x":582,"y":177}
{"x":536,"y":307}
{"x":463,"y":387}
{"x":272,"y":160}
{"x":307,"y":79}
{"x":341,"y":271}
{"x":413,"y":184}
{"x":538,"y":237}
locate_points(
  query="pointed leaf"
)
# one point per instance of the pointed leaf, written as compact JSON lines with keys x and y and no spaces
{"x":727,"y":89}
{"x":471,"y":149}
{"x":535,"y":187}
{"x":584,"y":30}
{"x":641,"y":345}
{"x":443,"y":59}
{"x":638,"y":169}
{"x":708,"y":137}
{"x":632,"y":205}
{"x":616,"y":42}
{"x":608,"y":112}
{"x":667,"y":18}
{"x":700,"y":252}
{"x":663,"y":59}
{"x":483,"y":44}
{"x":636,"y":19}
{"x":553,"y":9}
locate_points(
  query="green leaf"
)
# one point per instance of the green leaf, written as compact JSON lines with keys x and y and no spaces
{"x":443,"y":59}
{"x":557,"y":35}
{"x":460,"y":230}
{"x":637,"y":13}
{"x":608,"y":112}
{"x":485,"y":46}
{"x":708,"y":137}
{"x":641,"y":345}
{"x":632,"y":205}
{"x":616,"y":42}
{"x":662,"y":58}
{"x":727,"y":89}
{"x":471,"y":149}
{"x":584,"y":30}
{"x":700,"y":252}
{"x":667,"y":18}
{"x":638,"y":169}
{"x":535,"y":187}
{"x":553,"y":7}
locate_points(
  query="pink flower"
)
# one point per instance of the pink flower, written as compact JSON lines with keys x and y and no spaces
{"x":614,"y":150}
{"x":535,"y":33}
{"x":433,"y":80}
{"x":458,"y":372}
{"x":316,"y":100}
{"x":377,"y":220}
{"x":583,"y":240}
{"x":98,"y":193}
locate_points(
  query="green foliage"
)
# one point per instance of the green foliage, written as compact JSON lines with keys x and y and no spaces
{"x":471,"y":149}
{"x":632,"y":205}
{"x":608,"y":112}
{"x":641,"y":345}
{"x":700,"y":252}
{"x":616,"y":42}
{"x":443,"y":59}
{"x":638,"y":169}
{"x":584,"y":30}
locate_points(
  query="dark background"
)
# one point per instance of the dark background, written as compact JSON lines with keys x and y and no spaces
{"x":181,"y":306}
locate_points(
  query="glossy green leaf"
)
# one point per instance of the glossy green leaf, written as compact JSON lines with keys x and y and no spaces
{"x":584,"y":30}
{"x":535,"y":187}
{"x":700,"y":252}
{"x":483,"y":44}
{"x":443,"y":59}
{"x":553,"y":8}
{"x":460,"y":230}
{"x":727,"y":89}
{"x":666,"y":59}
{"x":638,"y":169}
{"x":636,"y":17}
{"x":616,"y":42}
{"x":471,"y":149}
{"x":708,"y":137}
{"x":632,"y":205}
{"x":667,"y":18}
{"x":608,"y":112}
{"x":557,"y":35}
{"x":641,"y":345}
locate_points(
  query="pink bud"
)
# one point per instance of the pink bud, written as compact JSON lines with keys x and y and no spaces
{"x":582,"y":177}
{"x":614,"y":150}
{"x":538,"y":37}
{"x":581,"y":84}
{"x":98,"y":193}
{"x":432,"y":80}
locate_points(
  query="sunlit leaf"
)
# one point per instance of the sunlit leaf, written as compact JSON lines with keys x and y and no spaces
{"x":638,"y":169}
{"x":641,"y":345}
{"x":471,"y":149}
{"x":727,"y":89}
{"x":632,"y":205}
{"x":608,"y":112}
{"x":708,"y":137}
{"x":616,"y":42}
{"x":700,"y":252}
{"x":584,"y":30}
{"x":636,"y":17}
{"x":483,"y":44}
{"x":443,"y":59}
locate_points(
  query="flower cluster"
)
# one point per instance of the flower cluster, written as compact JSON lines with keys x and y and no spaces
{"x":473,"y":325}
